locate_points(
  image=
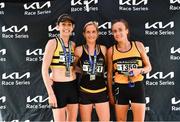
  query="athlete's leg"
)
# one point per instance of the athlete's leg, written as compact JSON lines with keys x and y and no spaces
{"x":59,"y":114}
{"x":138,"y":102}
{"x":72,"y":111}
{"x":121,"y":112}
{"x":85,"y":112}
{"x":138,"y":110}
{"x":103,"y":111}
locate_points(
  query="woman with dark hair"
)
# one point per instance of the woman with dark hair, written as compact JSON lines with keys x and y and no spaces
{"x":129,"y":61}
{"x":61,"y":84}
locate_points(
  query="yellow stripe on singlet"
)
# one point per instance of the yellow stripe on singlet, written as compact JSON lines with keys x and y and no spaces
{"x":93,"y":91}
{"x":56,"y":63}
{"x":119,"y":56}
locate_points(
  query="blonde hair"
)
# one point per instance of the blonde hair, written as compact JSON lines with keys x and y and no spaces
{"x":91,"y":23}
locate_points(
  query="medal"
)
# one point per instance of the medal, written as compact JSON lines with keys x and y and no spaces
{"x":92,"y":77}
{"x":131,"y":84}
{"x":67,"y":73}
{"x":129,"y":74}
{"x":92,"y":64}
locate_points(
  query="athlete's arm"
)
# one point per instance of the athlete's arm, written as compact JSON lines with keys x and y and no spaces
{"x":109,"y":74}
{"x":104,"y":51}
{"x":77,"y":53}
{"x":74,"y":47}
{"x":147,"y":65}
{"x":73,"y":44}
{"x":48,"y":54}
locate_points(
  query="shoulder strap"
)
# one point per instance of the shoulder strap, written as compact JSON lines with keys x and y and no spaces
{"x":136,"y":46}
{"x":56,"y":43}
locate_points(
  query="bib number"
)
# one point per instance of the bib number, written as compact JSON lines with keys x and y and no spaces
{"x":86,"y":68}
{"x":125,"y":67}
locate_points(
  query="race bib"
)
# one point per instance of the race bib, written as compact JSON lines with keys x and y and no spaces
{"x":99,"y":69}
{"x":126,"y":67}
{"x":86,"y":68}
{"x":62,"y":58}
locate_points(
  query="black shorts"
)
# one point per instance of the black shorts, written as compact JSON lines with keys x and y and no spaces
{"x":124,"y":94}
{"x":91,"y":98}
{"x":66,"y":93}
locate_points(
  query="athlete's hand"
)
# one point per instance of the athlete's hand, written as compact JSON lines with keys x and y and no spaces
{"x":52,"y":100}
{"x":135,"y":71}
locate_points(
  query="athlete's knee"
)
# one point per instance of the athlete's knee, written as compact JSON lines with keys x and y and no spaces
{"x":121,"y":118}
{"x":104,"y":118}
{"x":72,"y":117}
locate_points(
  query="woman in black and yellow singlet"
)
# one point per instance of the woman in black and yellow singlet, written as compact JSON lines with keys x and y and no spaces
{"x":92,"y":87}
{"x":61,"y":84}
{"x":129,"y":61}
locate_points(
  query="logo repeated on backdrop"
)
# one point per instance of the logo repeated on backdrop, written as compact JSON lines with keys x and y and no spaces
{"x":14,"y":31}
{"x":84,"y":5}
{"x":37,"y":8}
{"x":22,"y":79}
{"x":34,"y":55}
{"x":159,"y":28}
{"x":175,"y":104}
{"x":2,"y":55}
{"x":147,"y":49}
{"x":37,"y":102}
{"x":2,"y":102}
{"x":174,"y":5}
{"x":52,"y":31}
{"x":16,"y":120}
{"x":133,"y":5}
{"x":175,"y":54}
{"x":2,"y":6}
{"x":160,"y":79}
{"x":105,"y":28}
{"x":15,"y":78}
{"x":147,"y":103}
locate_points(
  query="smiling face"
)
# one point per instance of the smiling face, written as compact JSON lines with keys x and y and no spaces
{"x":120,"y":31}
{"x":65,"y":28}
{"x":90,"y":33}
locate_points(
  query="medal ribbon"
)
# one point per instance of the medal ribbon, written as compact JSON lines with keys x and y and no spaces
{"x":92,"y":63}
{"x":67,"y":55}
